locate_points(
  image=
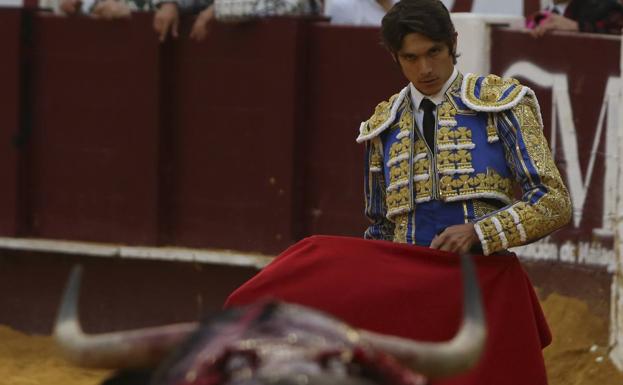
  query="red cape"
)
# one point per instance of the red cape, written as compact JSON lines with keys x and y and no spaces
{"x":413,"y":292}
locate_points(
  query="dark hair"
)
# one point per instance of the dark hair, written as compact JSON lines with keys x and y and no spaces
{"x":427,"y":17}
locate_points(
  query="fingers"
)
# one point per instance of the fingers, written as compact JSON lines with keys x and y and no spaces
{"x":451,"y":242}
{"x":176,"y":23}
{"x":436,"y":242}
{"x":110,"y":9}
{"x":70,"y":7}
{"x":198,"y":32}
{"x":157,"y":23}
{"x":164,"y":29}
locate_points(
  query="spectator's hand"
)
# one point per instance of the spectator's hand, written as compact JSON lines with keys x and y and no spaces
{"x":457,"y":239}
{"x":70,"y":7}
{"x":166,"y":18}
{"x":554,"y":22}
{"x":201,"y":25}
{"x":111,"y":9}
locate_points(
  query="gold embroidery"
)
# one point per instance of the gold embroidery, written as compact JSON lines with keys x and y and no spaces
{"x":463,"y":135}
{"x":376,"y":160}
{"x":482,"y":208}
{"x":446,"y":110}
{"x":419,"y":147}
{"x":510,"y":228}
{"x":495,"y":244}
{"x":400,"y":231}
{"x":406,"y":120}
{"x":397,"y":200}
{"x":381,"y":113}
{"x":399,"y":172}
{"x":492,"y":89}
{"x":399,"y":147}
{"x":553,"y":209}
{"x":423,"y":189}
{"x":454,"y":136}
{"x":421,"y":167}
{"x":454,"y":160}
{"x":445,"y":136}
{"x":492,"y":132}
{"x":481,"y":183}
{"x":494,"y":80}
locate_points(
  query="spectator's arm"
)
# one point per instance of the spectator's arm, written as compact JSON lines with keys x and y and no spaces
{"x":554,"y":22}
{"x":202,"y":24}
{"x":166,"y":18}
{"x":110,"y":9}
{"x":70,"y":7}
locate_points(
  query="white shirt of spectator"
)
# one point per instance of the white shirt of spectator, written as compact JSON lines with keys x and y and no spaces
{"x":247,"y":9}
{"x":354,"y":12}
{"x":560,"y":7}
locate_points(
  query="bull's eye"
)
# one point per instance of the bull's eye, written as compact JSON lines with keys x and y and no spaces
{"x":335,"y":365}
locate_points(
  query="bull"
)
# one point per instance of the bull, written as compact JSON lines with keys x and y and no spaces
{"x":272,"y":342}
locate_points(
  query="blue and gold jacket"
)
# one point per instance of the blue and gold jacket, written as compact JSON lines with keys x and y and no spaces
{"x":489,"y":145}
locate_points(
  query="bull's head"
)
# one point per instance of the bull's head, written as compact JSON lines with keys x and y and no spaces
{"x":274,"y":343}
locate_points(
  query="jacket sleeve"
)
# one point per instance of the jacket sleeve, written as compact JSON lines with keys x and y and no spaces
{"x":375,"y":204}
{"x":545,"y":205}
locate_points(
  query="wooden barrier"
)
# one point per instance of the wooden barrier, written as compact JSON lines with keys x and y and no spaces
{"x":10,"y":25}
{"x":235,"y":104}
{"x":94,"y":173}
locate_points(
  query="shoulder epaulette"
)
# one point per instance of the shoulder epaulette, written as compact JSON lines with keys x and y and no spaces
{"x":384,"y":115}
{"x":491,"y":93}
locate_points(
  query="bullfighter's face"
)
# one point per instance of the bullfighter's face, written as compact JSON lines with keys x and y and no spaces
{"x":426,"y":63}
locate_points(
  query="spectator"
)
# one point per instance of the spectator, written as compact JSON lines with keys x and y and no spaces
{"x":597,"y":16}
{"x":105,"y":9}
{"x":240,"y":10}
{"x":357,"y":12}
{"x":167,"y":15}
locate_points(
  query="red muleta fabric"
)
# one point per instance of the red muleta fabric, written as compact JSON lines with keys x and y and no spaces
{"x":413,"y":292}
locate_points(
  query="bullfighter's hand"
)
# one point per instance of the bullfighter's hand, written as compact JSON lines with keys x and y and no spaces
{"x":201,"y":26}
{"x":166,"y":18}
{"x":457,"y":239}
{"x":555,"y":22}
{"x":111,"y":9}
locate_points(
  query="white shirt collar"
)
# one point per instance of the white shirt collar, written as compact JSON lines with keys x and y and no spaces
{"x":438,"y":98}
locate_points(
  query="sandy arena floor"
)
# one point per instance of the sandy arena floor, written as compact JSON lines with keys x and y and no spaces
{"x":573,"y":359}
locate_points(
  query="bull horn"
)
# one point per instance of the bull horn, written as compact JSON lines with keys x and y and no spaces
{"x":128,"y":349}
{"x":436,"y":360}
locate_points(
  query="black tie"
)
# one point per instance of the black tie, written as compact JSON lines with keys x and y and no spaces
{"x":429,"y":122}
